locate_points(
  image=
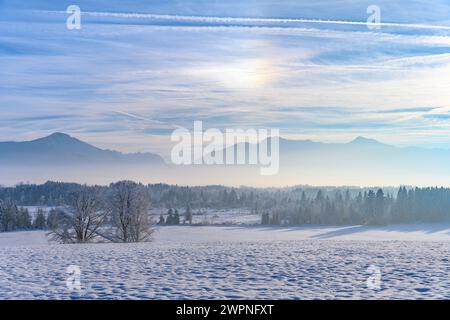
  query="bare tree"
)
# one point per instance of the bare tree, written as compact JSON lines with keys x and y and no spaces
{"x":81,"y":221}
{"x":129,"y":204}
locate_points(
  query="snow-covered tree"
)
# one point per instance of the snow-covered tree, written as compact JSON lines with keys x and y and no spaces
{"x":81,"y":221}
{"x":40,"y":222}
{"x":129,"y":204}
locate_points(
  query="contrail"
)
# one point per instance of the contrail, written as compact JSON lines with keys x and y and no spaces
{"x":138,"y":117}
{"x":229,"y":20}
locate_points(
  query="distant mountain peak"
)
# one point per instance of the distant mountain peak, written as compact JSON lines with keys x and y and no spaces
{"x":58,"y":135}
{"x":63,"y":149}
{"x":60,"y":139}
{"x":364,"y":140}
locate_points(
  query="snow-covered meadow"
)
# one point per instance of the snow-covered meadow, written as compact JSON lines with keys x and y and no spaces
{"x":218,"y":262}
{"x":208,"y":216}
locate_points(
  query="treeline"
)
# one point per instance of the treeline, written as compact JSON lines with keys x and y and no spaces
{"x":372,"y":207}
{"x":13,"y":218}
{"x":119,"y":213}
{"x":291,"y":205}
{"x":161,"y":195}
{"x":174,"y":196}
{"x":47,"y":194}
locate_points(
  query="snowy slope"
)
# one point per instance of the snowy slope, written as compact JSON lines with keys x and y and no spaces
{"x":241,"y":233}
{"x":235,"y":262}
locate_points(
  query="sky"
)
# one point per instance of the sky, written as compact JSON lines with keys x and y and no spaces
{"x":136,"y":71}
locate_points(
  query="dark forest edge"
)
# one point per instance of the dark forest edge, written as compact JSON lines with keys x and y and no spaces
{"x":277,"y":206}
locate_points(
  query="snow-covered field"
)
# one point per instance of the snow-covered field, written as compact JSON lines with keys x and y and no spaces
{"x":214,"y":216}
{"x":205,"y":216}
{"x":236,"y":262}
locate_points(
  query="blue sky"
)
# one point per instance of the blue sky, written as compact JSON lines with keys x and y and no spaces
{"x":137,"y":70}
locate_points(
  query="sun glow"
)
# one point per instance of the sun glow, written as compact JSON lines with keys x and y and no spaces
{"x":243,"y":74}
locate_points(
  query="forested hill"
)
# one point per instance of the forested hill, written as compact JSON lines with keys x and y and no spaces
{"x":293,"y":205}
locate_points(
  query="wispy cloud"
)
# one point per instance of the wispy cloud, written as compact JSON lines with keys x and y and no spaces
{"x":127,"y":78}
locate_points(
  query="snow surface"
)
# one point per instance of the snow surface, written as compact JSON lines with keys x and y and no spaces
{"x":214,"y":262}
{"x":210,"y":216}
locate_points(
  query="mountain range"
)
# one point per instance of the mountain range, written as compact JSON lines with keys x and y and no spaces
{"x":62,"y":149}
{"x":362,"y":161}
